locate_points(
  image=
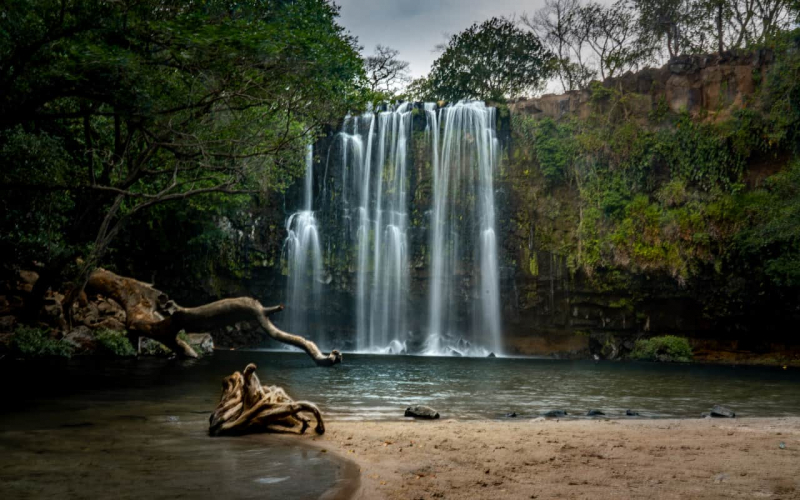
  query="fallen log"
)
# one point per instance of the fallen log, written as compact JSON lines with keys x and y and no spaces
{"x":247,"y":406}
{"x":150,"y":313}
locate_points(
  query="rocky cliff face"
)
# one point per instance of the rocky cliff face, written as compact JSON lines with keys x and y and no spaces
{"x":709,"y":85}
{"x":553,"y":310}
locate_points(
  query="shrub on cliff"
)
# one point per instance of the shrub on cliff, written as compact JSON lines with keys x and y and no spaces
{"x":113,"y":343}
{"x":29,"y":342}
{"x":668,"y":348}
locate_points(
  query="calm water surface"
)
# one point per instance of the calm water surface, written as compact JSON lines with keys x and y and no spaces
{"x":380,"y":387}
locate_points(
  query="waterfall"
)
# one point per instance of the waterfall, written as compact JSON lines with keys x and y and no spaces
{"x":463,"y":238}
{"x":304,"y":260}
{"x":374,"y":189}
{"x":439,"y":165}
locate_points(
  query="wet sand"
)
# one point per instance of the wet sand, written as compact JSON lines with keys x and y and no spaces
{"x":593,"y":459}
{"x":151,"y":451}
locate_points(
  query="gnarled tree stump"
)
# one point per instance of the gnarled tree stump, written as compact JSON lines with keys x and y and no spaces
{"x":247,"y":406}
{"x":150,"y":313}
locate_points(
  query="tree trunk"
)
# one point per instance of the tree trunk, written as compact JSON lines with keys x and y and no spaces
{"x":720,"y":43}
{"x":104,"y":236}
{"x":151,"y":314}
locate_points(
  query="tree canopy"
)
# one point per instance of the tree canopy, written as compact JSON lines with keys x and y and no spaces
{"x":493,"y":60}
{"x":697,"y":26}
{"x":386,"y":74}
{"x":590,"y":39}
{"x":109,"y":108}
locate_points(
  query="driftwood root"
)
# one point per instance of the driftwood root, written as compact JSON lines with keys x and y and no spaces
{"x":247,"y":406}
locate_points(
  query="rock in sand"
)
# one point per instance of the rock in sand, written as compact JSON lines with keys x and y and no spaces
{"x":421,"y":411}
{"x":721,"y":412}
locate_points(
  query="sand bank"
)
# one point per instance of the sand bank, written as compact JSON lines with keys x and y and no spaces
{"x":593,"y":459}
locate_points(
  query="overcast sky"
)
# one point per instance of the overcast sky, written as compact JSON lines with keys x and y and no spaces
{"x":415,"y":27}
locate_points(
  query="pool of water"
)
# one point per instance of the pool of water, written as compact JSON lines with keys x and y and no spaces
{"x":88,"y":426}
{"x":380,"y":387}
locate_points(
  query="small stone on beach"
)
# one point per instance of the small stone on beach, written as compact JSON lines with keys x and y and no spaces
{"x":420,"y":411}
{"x":721,"y":412}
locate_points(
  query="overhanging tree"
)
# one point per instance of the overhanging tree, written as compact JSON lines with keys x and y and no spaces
{"x":109,"y":108}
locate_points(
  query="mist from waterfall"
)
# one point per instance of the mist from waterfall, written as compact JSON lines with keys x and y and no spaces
{"x":304,"y":261}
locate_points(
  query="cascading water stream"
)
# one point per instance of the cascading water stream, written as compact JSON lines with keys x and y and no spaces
{"x":449,"y":302}
{"x":374,"y":186}
{"x":304,"y":259}
{"x":463,"y":237}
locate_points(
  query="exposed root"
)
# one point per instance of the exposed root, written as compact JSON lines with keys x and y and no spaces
{"x":247,"y":406}
{"x":151,"y":314}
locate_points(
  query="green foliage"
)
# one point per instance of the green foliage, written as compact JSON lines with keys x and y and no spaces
{"x":34,"y":223}
{"x":781,"y":94}
{"x":665,"y":348}
{"x":550,"y":142}
{"x":554,"y":151}
{"x":700,"y":154}
{"x":668,"y":195}
{"x":494,"y":60}
{"x":110,"y":108}
{"x":419,"y":90}
{"x":113,"y":342}
{"x":29,"y":342}
{"x":773,"y":237}
{"x":152,"y":347}
{"x":660,"y":111}
{"x":204,"y":231}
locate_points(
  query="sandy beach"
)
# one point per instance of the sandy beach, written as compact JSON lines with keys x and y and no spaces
{"x":592,"y":459}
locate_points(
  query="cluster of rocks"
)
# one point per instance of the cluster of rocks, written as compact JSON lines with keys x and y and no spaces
{"x":90,"y":315}
{"x":717,"y":411}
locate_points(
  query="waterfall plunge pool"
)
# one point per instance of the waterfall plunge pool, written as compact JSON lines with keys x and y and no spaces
{"x":379,"y":387}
